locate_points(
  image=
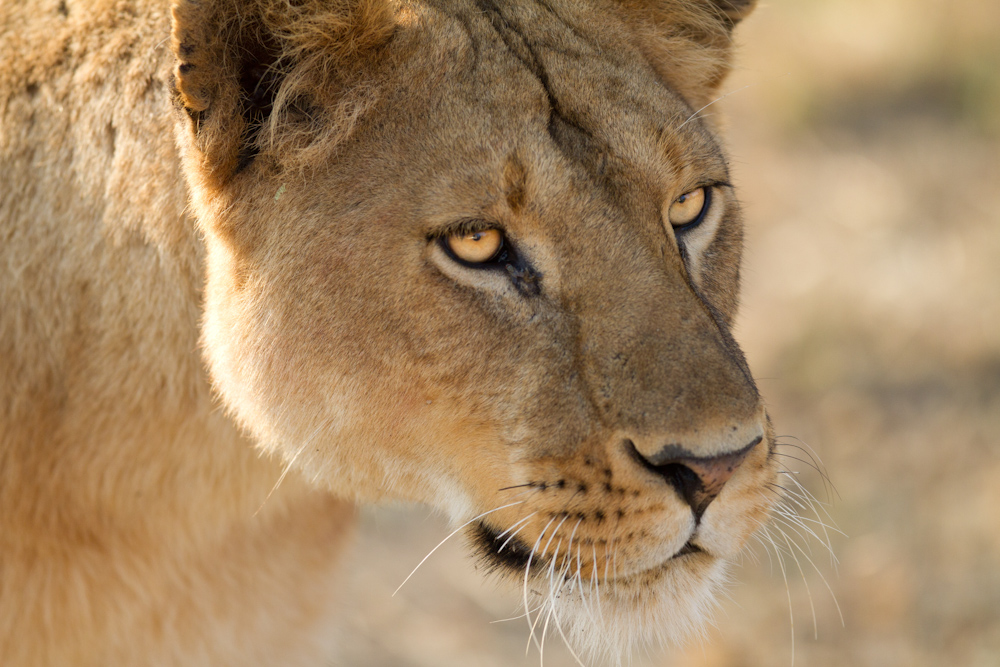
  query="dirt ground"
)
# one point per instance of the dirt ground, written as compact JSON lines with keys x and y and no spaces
{"x":866,"y":146}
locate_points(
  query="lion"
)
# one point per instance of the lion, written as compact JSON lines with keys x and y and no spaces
{"x":264,"y":261}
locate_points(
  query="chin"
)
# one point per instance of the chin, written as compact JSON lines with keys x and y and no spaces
{"x":604,"y":618}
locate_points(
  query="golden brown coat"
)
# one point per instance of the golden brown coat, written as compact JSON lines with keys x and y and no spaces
{"x":254,"y":198}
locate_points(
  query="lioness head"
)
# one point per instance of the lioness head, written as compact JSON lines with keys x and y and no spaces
{"x":485,"y":255}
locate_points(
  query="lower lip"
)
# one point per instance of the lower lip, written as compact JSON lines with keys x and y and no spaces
{"x":689,"y":548}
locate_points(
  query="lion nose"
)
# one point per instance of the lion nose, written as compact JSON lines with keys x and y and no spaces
{"x":697,"y":479}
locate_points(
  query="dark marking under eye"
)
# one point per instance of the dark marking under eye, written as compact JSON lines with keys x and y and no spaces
{"x":526,"y":280}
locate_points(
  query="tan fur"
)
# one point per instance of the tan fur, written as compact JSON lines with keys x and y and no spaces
{"x":245,"y":197}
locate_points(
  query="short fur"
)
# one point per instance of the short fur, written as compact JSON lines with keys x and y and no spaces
{"x":242,"y":202}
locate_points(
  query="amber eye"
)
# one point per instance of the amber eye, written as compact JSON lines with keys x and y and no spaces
{"x":476,"y":247}
{"x":689,"y":208}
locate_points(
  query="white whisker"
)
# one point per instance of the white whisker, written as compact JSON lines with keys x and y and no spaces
{"x":566,"y":641}
{"x":788,"y":590}
{"x":805,"y":582}
{"x":551,"y":537}
{"x":453,"y":533}
{"x":527,"y":572}
{"x":515,"y":524}
{"x":825,"y":583}
{"x":545,"y":630}
{"x":515,"y":618}
{"x":288,"y":466}
{"x":717,"y":99}
{"x":512,"y":536}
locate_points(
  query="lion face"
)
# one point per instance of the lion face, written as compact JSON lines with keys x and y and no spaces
{"x":488,"y":260}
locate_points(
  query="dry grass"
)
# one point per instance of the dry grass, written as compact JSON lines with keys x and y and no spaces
{"x":867,"y":148}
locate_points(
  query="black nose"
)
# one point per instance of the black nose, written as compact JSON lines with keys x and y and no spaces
{"x":697,"y":479}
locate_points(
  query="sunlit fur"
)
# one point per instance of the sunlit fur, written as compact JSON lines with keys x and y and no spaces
{"x":226,"y":318}
{"x":595,"y":598}
{"x":606,"y":621}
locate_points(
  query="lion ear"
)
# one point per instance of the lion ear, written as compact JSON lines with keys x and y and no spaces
{"x":688,"y":42}
{"x":245,"y":67}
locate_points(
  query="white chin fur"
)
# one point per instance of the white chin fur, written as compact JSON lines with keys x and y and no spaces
{"x":606,"y":627}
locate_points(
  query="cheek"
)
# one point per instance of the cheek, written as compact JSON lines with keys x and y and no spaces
{"x":366,"y":380}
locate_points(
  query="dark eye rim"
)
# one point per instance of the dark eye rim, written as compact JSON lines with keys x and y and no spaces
{"x":705,"y":207}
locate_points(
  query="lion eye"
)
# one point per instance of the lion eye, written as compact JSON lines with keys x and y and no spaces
{"x":688,"y":209}
{"x":476,"y":247}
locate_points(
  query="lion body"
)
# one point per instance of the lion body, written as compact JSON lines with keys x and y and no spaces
{"x":138,"y":523}
{"x":129,"y":531}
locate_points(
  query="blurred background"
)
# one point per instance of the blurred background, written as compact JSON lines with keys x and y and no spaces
{"x":865,"y":137}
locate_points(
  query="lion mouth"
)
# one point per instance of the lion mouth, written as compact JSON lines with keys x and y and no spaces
{"x":689,"y":548}
{"x":500,"y":551}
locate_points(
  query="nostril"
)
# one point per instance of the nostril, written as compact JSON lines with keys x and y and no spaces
{"x":686,"y":482}
{"x":697,"y":479}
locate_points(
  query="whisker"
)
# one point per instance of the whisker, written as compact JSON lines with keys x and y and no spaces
{"x":750,"y":554}
{"x":607,"y":562}
{"x":512,"y":535}
{"x":822,"y":473}
{"x":451,"y":535}
{"x":288,"y":466}
{"x":614,"y":567}
{"x":788,"y":590}
{"x":799,"y":517}
{"x":802,"y":573}
{"x":814,"y":456}
{"x":717,"y":99}
{"x":789,"y":521}
{"x":807,"y":493}
{"x":552,"y":568}
{"x":566,"y":641}
{"x":532,"y":638}
{"x":516,"y":523}
{"x":597,"y":583}
{"x":569,"y":547}
{"x":795,"y":497}
{"x":825,"y":583}
{"x":796,"y":522}
{"x":519,"y":486}
{"x":516,"y":618}
{"x":787,"y":513}
{"x":770,"y":561}
{"x":815,"y":506}
{"x":527,"y":572}
{"x":545,"y":630}
{"x":551,"y":537}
